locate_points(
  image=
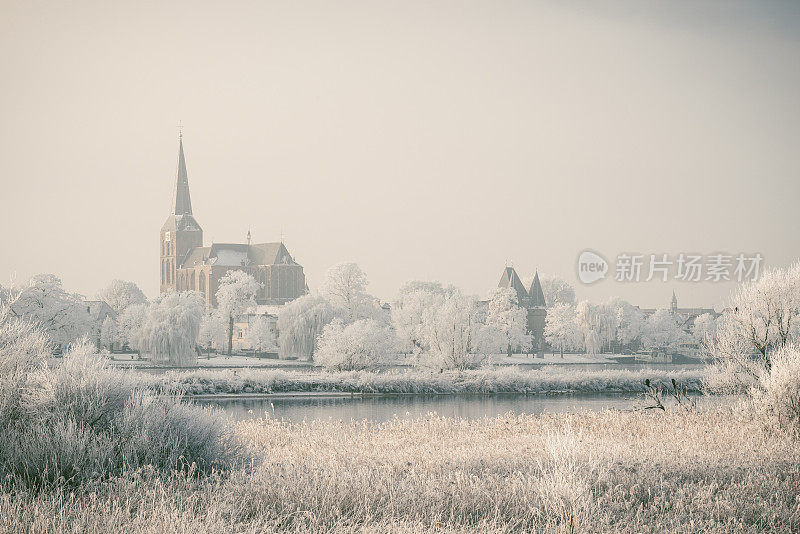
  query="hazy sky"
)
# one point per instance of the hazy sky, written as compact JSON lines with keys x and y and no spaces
{"x":431,"y":140}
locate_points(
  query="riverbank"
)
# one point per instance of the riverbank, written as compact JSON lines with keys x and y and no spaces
{"x":240,"y":361}
{"x":715,"y":471}
{"x":485,"y":381}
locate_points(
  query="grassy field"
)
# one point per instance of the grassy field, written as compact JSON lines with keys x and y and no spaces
{"x":714,"y":471}
{"x":88,"y":448}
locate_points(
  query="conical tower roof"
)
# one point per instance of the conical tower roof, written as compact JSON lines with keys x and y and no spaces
{"x":536,"y":294}
{"x":511,"y":279}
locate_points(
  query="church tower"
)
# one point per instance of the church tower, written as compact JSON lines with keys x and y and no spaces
{"x":180,"y":233}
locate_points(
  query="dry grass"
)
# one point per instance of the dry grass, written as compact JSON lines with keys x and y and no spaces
{"x":715,"y":471}
{"x":500,"y":380}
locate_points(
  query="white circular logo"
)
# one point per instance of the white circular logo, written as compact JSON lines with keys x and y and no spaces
{"x":591,"y":267}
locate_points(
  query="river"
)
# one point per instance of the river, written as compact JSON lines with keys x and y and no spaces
{"x":383,"y":408}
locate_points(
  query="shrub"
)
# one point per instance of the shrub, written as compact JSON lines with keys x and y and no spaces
{"x":84,"y":420}
{"x":778,"y":394}
{"x":23,"y":347}
{"x":356,"y":346}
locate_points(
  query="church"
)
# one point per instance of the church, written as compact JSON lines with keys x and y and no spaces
{"x":187,"y":265}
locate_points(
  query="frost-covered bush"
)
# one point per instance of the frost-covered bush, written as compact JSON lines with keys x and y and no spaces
{"x":83,"y":420}
{"x":778,"y":394}
{"x":355,"y":346}
{"x":23,"y":348}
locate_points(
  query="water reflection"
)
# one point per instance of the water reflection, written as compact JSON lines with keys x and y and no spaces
{"x":411,"y":407}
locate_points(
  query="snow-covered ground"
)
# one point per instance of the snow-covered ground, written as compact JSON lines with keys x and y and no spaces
{"x":550,"y":359}
{"x":216,"y":361}
{"x":220,"y":360}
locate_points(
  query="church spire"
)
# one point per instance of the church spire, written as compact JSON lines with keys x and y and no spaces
{"x":182,"y":202}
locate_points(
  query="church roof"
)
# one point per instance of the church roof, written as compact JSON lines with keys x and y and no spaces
{"x":536,"y":294}
{"x":239,"y":254}
{"x":181,"y":201}
{"x":511,"y":279}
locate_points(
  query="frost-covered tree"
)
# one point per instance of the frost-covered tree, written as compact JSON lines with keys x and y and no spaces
{"x":213,"y":331}
{"x":508,"y":317}
{"x":629,"y":323}
{"x":597,"y":322}
{"x":121,"y":294}
{"x":171,"y":327}
{"x":557,"y":291}
{"x":561,"y":330}
{"x":237,"y":291}
{"x":345,"y":287}
{"x":108,"y":333}
{"x":766,"y":313}
{"x":61,"y":315}
{"x":763,"y":317}
{"x":704,"y":329}
{"x":663,"y":332}
{"x":408,"y":310}
{"x":129,"y":325}
{"x":355,"y":346}
{"x":260,"y":335}
{"x":455,"y":336}
{"x":299,"y":324}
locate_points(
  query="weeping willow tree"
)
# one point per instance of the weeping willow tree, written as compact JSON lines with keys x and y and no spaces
{"x":171,"y":326}
{"x":300,"y":323}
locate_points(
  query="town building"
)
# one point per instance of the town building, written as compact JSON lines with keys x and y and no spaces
{"x":532,"y":299}
{"x":186,"y":264}
{"x":685,"y":315}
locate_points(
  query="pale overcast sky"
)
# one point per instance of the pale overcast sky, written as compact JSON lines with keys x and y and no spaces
{"x":430,"y":140}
